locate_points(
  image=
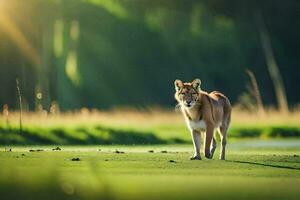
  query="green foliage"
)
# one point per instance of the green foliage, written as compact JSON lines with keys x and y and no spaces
{"x":106,"y":53}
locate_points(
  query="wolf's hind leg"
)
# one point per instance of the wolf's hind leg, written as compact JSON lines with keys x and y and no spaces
{"x":213,"y":147}
{"x":223,"y":135}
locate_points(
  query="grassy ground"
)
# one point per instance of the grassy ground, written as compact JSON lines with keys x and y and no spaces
{"x":133,"y":127}
{"x":254,"y":169}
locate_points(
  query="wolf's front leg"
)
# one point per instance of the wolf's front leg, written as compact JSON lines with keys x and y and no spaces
{"x":208,"y":139}
{"x":196,"y":141}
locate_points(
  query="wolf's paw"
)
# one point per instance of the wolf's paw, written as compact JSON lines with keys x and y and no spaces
{"x":195,"y":157}
{"x":208,"y":155}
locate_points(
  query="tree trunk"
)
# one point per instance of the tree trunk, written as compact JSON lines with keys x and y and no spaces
{"x":271,"y":64}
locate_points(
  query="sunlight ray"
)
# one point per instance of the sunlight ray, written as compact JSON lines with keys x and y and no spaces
{"x":11,"y":29}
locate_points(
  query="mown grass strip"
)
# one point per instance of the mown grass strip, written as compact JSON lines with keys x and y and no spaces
{"x":108,"y":135}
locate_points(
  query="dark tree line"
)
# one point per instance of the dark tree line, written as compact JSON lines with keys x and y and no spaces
{"x":100,"y":54}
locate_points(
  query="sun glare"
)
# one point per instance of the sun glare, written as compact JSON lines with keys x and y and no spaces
{"x":9,"y":27}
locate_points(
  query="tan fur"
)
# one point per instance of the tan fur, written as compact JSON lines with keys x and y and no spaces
{"x":204,"y":112}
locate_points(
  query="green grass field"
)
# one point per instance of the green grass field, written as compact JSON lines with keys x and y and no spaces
{"x":254,"y":169}
{"x":132,"y":127}
{"x":263,"y":157}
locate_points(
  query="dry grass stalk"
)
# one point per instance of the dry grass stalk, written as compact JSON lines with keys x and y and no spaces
{"x":20,"y":104}
{"x":256,"y":93}
{"x":5,"y":113}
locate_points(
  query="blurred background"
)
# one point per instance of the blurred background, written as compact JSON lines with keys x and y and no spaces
{"x":103,"y":71}
{"x":103,"y":54}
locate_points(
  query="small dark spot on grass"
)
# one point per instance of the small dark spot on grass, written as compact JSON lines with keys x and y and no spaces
{"x":295,"y":155}
{"x":117,"y":151}
{"x":172,"y":161}
{"x":10,"y":150}
{"x":56,"y":149}
{"x":17,"y":156}
{"x":99,"y":150}
{"x":75,"y":159}
{"x":164,"y":151}
{"x":106,"y":160}
{"x":22,"y":154}
{"x":35,"y":150}
{"x":151,"y":151}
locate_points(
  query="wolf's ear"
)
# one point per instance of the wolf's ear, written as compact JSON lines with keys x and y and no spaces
{"x":178,"y":84}
{"x":196,"y":84}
